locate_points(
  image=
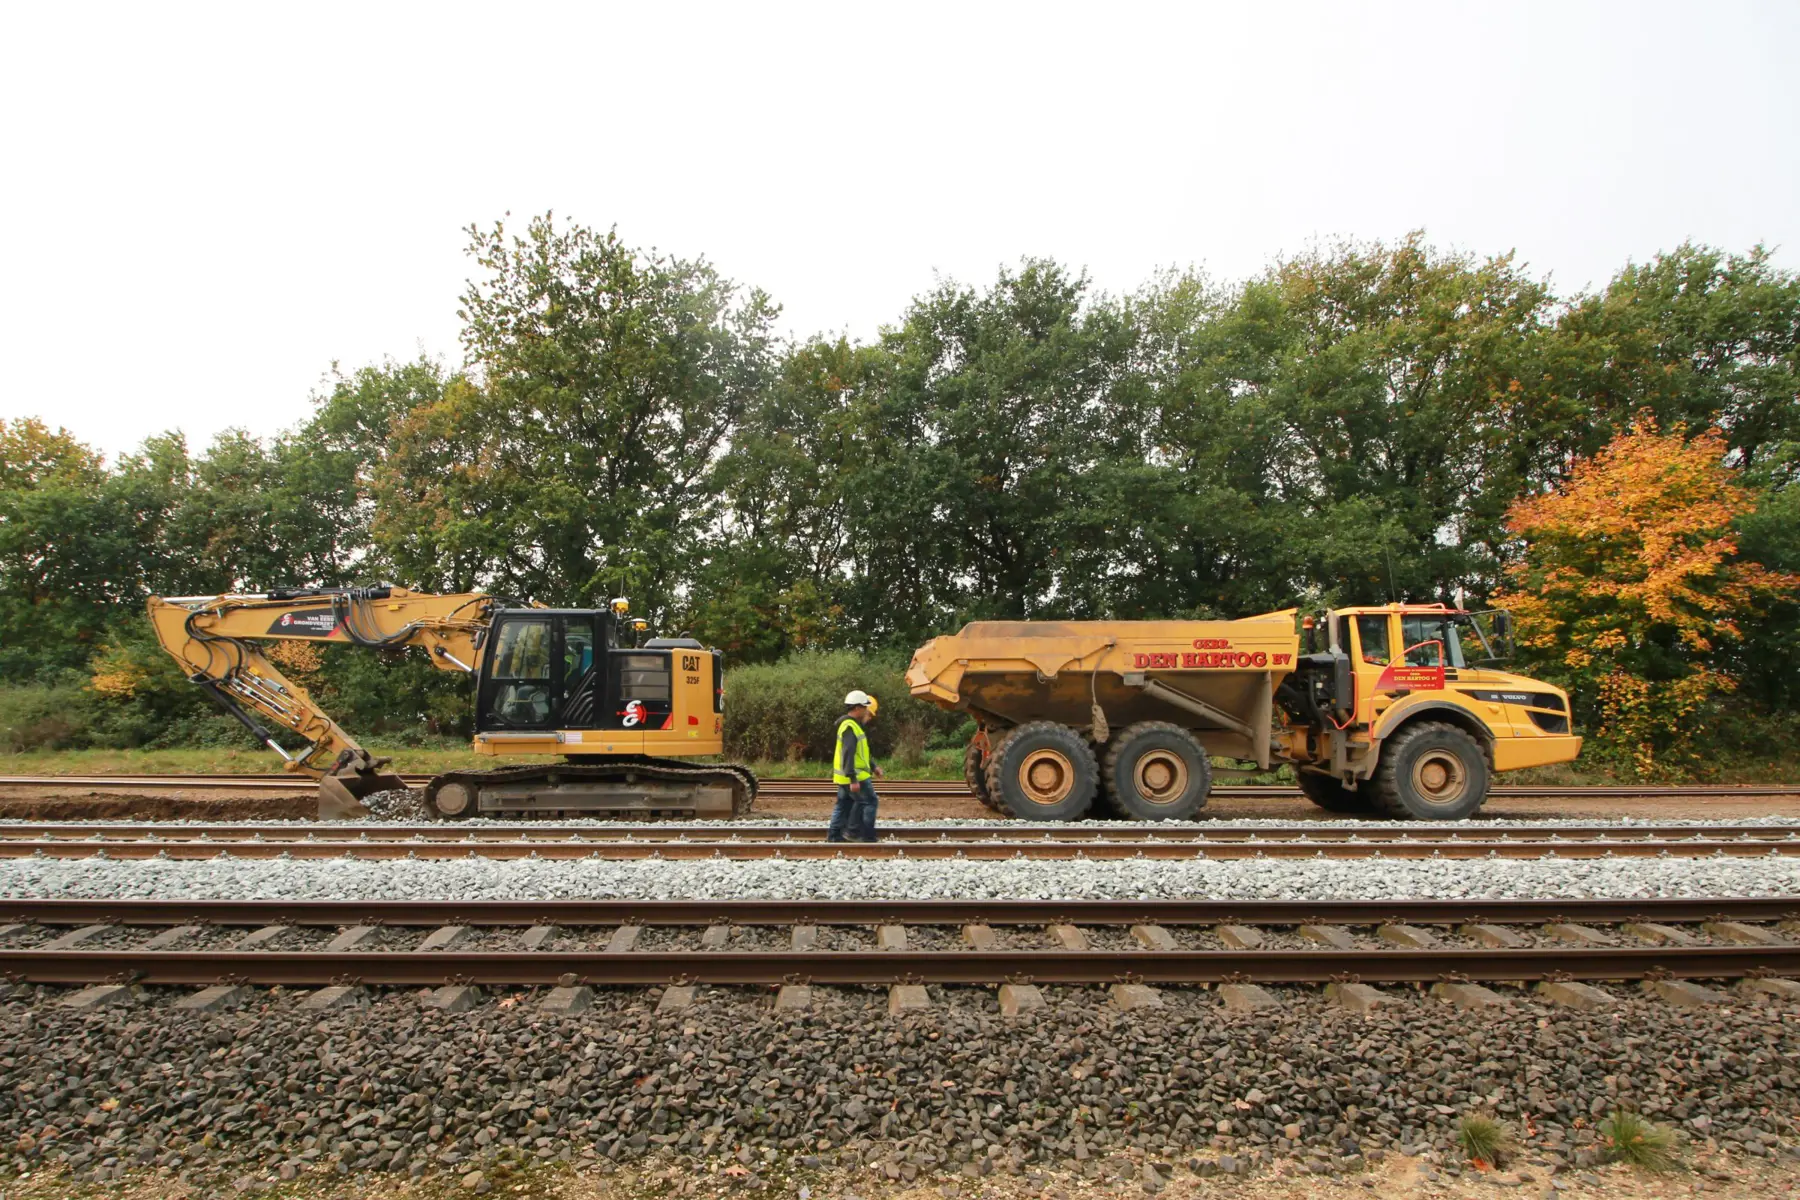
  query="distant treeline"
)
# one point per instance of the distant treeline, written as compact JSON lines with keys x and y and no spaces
{"x":1351,"y":425}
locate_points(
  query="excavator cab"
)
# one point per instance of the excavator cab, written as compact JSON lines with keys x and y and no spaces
{"x":546,"y":670}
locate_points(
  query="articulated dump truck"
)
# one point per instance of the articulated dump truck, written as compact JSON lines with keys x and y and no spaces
{"x":1391,"y":710}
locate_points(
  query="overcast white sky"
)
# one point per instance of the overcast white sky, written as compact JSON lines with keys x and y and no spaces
{"x":209,"y":205}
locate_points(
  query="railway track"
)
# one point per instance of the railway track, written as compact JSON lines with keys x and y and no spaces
{"x":680,"y":944}
{"x":805,"y":788}
{"x":1006,"y":841}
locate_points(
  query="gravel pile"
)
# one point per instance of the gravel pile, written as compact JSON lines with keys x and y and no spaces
{"x":401,"y":804}
{"x":225,"y":878}
{"x":396,"y":1087}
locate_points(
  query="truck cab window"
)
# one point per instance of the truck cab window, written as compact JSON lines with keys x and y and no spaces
{"x":1372,"y":632}
{"x":1431,"y":642}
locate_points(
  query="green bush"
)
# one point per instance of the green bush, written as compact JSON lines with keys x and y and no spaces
{"x":786,"y":711}
{"x":43,"y":717}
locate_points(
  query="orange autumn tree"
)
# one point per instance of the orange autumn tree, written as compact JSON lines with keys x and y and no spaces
{"x":1631,"y":581}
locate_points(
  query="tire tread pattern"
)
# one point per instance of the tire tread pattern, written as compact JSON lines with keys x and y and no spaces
{"x":975,"y":774}
{"x":1076,"y":747}
{"x":1389,"y":778}
{"x":1120,"y":746}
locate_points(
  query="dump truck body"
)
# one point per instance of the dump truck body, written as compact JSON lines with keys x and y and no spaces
{"x":1016,"y":672}
{"x":1129,"y":713}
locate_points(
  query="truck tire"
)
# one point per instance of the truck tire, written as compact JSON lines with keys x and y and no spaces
{"x":1431,"y":772}
{"x":975,"y":773}
{"x":1156,"y":771}
{"x":1333,"y":796}
{"x":1043,"y":771}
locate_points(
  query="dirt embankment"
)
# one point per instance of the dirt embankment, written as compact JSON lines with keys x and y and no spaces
{"x":97,"y":804}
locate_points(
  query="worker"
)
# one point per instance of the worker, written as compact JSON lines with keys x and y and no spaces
{"x":853,"y":818}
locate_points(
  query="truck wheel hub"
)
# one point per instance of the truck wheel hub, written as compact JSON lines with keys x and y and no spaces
{"x":1047,"y":776}
{"x":1161,"y":776}
{"x":1439,"y":777}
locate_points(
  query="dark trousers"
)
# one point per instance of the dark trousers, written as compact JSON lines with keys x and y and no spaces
{"x":853,"y":818}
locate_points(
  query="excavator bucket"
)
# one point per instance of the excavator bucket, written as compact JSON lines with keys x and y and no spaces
{"x":355,"y":777}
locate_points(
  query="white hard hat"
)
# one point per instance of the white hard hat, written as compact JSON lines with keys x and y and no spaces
{"x":858,"y":698}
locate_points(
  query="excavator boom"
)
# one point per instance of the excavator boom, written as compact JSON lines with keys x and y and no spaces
{"x":219,"y":642}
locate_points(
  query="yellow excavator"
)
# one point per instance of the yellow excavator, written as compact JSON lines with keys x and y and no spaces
{"x":567,"y":684}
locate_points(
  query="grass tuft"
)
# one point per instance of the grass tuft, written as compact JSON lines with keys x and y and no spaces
{"x":1631,"y":1139}
{"x":1483,"y":1139}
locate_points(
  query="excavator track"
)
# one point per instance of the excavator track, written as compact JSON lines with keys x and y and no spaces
{"x":627,"y":788}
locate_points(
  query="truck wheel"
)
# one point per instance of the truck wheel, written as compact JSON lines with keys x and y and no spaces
{"x":1432,"y":772}
{"x":975,"y":772}
{"x":1156,"y":771}
{"x":1043,"y":771}
{"x":1333,"y":796}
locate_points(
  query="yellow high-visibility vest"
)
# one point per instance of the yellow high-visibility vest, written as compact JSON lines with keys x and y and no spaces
{"x":841,"y":775}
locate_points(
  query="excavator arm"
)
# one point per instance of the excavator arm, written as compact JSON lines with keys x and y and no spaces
{"x":218,"y":640}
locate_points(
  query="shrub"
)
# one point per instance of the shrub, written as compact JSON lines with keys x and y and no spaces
{"x":786,"y":711}
{"x":43,"y":717}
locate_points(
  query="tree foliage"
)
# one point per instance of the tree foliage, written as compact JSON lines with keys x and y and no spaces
{"x":1632,"y":584}
{"x":576,"y":460}
{"x":1357,"y":422}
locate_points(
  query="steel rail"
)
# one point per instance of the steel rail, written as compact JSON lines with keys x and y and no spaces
{"x":893,"y":789}
{"x":673,"y":913}
{"x":1003,"y":831}
{"x":815,"y":849}
{"x":545,"y":968}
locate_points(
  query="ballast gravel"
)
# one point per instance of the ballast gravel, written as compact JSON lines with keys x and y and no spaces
{"x":396,"y":1086}
{"x":228,"y":878}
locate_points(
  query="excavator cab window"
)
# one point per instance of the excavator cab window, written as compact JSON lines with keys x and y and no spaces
{"x":519,"y":684}
{"x":580,"y":681}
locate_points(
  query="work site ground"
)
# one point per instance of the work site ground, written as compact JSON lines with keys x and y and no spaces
{"x":1124,"y":1179}
{"x":94,"y":803}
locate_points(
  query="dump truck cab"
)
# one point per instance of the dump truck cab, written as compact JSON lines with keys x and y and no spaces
{"x":1407,"y":666}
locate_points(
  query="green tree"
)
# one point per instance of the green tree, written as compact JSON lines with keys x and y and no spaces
{"x":778,"y":557}
{"x":70,"y":561}
{"x":578,"y":460}
{"x":1696,"y":337}
{"x":986,"y":420}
